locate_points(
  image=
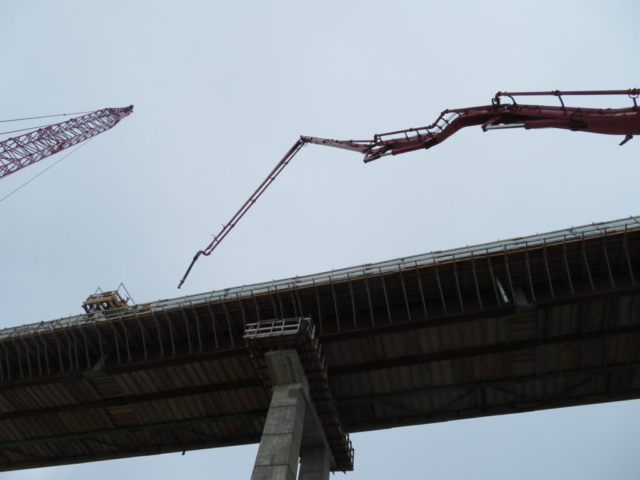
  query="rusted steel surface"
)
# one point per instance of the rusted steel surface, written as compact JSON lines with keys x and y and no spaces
{"x":538,"y":322}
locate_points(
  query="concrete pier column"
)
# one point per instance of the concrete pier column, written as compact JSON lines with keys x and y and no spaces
{"x":279,"y":449}
{"x":315,"y":463}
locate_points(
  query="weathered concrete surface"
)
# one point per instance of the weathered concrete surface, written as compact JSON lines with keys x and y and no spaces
{"x":315,"y":463}
{"x":285,"y":368}
{"x":279,"y":449}
{"x":291,"y":423}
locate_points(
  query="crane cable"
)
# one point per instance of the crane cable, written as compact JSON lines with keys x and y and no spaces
{"x":43,"y":116}
{"x":34,"y":118}
{"x":28,"y":128}
{"x":46,"y":169}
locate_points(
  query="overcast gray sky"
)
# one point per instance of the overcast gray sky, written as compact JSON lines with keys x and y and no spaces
{"x":221,"y":91}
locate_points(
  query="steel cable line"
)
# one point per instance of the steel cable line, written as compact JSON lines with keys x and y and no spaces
{"x":46,"y":169}
{"x":29,"y":128}
{"x":43,"y":116}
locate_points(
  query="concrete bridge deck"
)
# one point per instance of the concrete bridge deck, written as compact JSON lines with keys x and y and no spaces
{"x":537,"y":322}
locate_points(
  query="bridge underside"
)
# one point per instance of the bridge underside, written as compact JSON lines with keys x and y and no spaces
{"x":529,"y":324}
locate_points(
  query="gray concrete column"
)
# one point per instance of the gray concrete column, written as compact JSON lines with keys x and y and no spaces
{"x":279,"y":449}
{"x":315,"y":463}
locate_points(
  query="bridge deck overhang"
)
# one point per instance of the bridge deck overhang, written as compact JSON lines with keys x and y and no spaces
{"x":527,"y":324}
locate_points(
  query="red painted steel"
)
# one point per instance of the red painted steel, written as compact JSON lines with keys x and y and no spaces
{"x":610,"y":121}
{"x":632,"y":92}
{"x":24,"y":150}
{"x":247,"y":205}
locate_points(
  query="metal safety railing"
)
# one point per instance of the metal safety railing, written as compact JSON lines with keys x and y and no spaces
{"x":300,"y":334}
{"x":343,"y":275}
{"x":286,"y":326}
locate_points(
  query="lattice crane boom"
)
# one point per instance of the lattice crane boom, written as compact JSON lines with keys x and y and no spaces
{"x":29,"y":148}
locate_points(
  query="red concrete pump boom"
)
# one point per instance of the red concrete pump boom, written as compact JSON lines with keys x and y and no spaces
{"x":610,"y":121}
{"x":29,"y":148}
{"x":619,"y":121}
